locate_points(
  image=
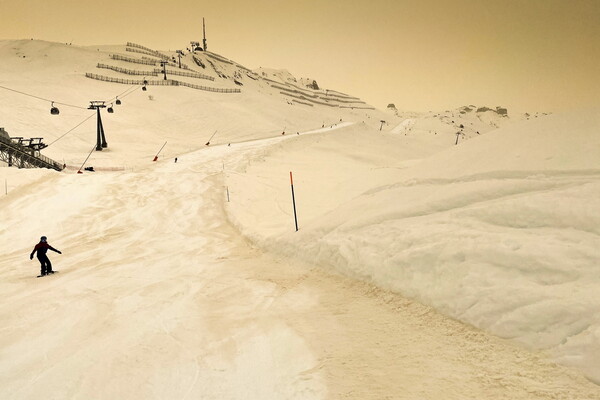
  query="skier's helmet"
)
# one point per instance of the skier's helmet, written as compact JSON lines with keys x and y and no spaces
{"x":43,"y":238}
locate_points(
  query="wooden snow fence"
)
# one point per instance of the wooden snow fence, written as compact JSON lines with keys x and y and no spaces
{"x":287,"y":89}
{"x":209,"y":89}
{"x":161,"y":56}
{"x":184,"y":73}
{"x":168,"y":82}
{"x":127,"y":71}
{"x":342,"y":101}
{"x":133,"y":60}
{"x":303,"y":99}
{"x":303,"y":103}
{"x":358,"y":108}
{"x":218,"y":57}
{"x":145,"y":50}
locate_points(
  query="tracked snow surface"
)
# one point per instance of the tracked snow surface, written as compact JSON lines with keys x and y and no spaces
{"x":422,"y":269}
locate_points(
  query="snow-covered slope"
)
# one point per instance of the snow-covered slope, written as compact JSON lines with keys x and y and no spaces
{"x":183,"y":116}
{"x":159,"y":296}
{"x":501,"y":231}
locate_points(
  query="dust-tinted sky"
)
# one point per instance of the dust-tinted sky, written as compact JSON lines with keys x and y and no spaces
{"x":528,"y":55}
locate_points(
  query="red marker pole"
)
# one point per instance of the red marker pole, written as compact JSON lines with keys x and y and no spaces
{"x":79,"y":172}
{"x":209,"y":139}
{"x":294,"y":200}
{"x":156,"y":156}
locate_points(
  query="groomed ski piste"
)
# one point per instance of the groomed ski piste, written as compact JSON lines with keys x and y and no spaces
{"x":421,"y":269}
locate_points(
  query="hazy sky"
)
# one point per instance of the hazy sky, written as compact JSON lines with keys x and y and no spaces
{"x":528,"y":55}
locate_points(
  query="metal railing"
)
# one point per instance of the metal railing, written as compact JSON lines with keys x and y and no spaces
{"x":24,"y":157}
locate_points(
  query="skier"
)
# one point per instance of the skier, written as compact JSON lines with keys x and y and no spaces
{"x":41,"y":248}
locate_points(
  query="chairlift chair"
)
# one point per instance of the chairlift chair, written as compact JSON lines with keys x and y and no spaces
{"x":54,"y":110}
{"x":110,"y":109}
{"x":118,"y":102}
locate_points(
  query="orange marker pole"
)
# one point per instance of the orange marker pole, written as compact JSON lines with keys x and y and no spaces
{"x":294,"y":200}
{"x":209,"y":139}
{"x":79,"y":172}
{"x":156,"y":156}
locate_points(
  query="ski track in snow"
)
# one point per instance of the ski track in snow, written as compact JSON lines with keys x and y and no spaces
{"x":160,"y":297}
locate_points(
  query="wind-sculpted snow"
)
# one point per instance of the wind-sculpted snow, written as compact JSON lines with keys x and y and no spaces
{"x":502,"y":232}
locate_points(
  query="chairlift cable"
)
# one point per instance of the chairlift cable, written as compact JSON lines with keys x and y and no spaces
{"x":70,"y":130}
{"x":121,"y":95}
{"x":136,"y":88}
{"x":128,"y":89}
{"x":41,"y":98}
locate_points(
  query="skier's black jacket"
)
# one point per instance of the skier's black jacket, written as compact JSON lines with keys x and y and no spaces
{"x":42,"y":249}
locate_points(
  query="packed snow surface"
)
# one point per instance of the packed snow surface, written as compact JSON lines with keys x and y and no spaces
{"x":188,"y":280}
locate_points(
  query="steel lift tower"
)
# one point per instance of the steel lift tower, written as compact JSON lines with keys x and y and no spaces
{"x":100,"y":138}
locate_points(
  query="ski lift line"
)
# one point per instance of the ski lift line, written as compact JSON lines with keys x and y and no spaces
{"x":130,"y":90}
{"x":41,"y":98}
{"x":70,"y":130}
{"x":136,"y":88}
{"x":114,"y":98}
{"x":122,"y":95}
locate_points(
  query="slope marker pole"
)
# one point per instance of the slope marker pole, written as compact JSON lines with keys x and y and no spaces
{"x":294,"y":200}
{"x":156,"y":156}
{"x":93,"y":148}
{"x":209,"y":139}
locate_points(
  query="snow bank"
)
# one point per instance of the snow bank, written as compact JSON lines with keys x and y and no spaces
{"x":501,"y":232}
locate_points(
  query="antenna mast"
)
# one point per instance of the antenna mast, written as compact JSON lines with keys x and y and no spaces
{"x":204,"y":33}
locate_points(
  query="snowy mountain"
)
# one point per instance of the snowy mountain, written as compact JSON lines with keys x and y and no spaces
{"x":185,"y":116}
{"x":188,"y":279}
